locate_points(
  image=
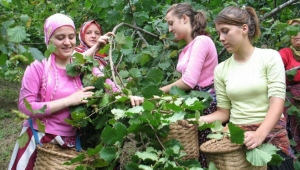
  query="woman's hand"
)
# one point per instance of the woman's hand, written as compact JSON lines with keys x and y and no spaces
{"x":80,"y":96}
{"x":136,"y":100}
{"x":103,"y":40}
{"x":253,"y":139}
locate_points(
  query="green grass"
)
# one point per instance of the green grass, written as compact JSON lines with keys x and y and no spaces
{"x":10,"y":125}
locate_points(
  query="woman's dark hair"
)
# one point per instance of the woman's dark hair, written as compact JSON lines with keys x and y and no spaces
{"x":233,"y":15}
{"x":197,"y":18}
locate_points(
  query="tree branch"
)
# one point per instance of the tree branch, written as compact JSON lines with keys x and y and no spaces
{"x":280,"y":7}
{"x":111,"y":42}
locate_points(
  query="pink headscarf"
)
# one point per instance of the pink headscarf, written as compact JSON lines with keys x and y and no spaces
{"x":55,"y":21}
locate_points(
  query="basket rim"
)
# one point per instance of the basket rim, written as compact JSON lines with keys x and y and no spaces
{"x":53,"y":152}
{"x":232,"y":146}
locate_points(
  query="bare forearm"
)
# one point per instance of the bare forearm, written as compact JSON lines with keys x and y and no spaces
{"x":58,"y":105}
{"x":91,"y":51}
{"x":179,"y":83}
{"x":219,"y":114}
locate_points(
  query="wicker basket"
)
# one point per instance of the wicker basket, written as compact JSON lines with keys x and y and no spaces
{"x":227,"y":155}
{"x":188,"y":137}
{"x":52,"y":156}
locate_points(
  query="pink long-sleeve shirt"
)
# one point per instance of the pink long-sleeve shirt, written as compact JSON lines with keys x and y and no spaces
{"x":197,"y":62}
{"x":31,"y":91}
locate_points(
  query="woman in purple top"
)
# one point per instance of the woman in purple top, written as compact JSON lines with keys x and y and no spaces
{"x":197,"y":60}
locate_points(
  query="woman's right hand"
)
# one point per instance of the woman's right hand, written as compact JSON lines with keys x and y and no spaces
{"x":80,"y":96}
{"x":103,"y":40}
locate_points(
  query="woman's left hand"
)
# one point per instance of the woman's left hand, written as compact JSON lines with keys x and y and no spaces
{"x":253,"y":139}
{"x":136,"y":100}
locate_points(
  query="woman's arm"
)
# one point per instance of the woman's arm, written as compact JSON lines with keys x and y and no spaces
{"x":74,"y":99}
{"x":179,"y":83}
{"x":256,"y":138}
{"x":220,"y":114}
{"x":276,"y":94}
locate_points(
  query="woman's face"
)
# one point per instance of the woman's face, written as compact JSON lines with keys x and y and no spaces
{"x":91,"y":35}
{"x":177,"y":26}
{"x":295,"y":40}
{"x":231,"y":36}
{"x":64,"y":39}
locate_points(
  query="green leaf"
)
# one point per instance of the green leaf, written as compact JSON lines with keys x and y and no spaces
{"x":145,"y":167}
{"x":136,"y":109}
{"x":269,"y":148}
{"x":104,"y":100}
{"x":206,"y":126}
{"x":155,"y":74}
{"x":144,"y":59}
{"x":218,"y":127}
{"x":147,"y":155}
{"x":148,"y":105}
{"x":135,"y":73}
{"x":37,"y":54}
{"x":112,"y":135}
{"x":164,"y":65}
{"x":78,"y":58}
{"x":94,"y":151}
{"x":104,"y":4}
{"x":258,"y":157}
{"x":113,"y":17}
{"x":190,"y":101}
{"x":79,"y":158}
{"x":73,"y":69}
{"x":177,"y":91}
{"x":50,"y":49}
{"x":197,"y":115}
{"x":276,"y":160}
{"x":108,"y":153}
{"x":120,"y":38}
{"x":23,"y":140}
{"x":87,"y":4}
{"x":297,"y":165}
{"x":124,"y":73}
{"x":176,"y":116}
{"x":236,"y":134}
{"x":212,"y":166}
{"x":151,"y":90}
{"x":118,"y":113}
{"x":290,"y":74}
{"x":16,"y":34}
{"x":99,"y":84}
{"x":24,"y":18}
{"x":173,"y":106}
{"x":41,"y":126}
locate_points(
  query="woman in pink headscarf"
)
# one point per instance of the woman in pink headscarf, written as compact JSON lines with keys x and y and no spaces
{"x":46,"y":84}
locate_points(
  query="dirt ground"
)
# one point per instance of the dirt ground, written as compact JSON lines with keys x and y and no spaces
{"x":10,"y":125}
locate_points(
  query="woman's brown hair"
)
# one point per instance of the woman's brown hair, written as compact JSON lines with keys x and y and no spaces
{"x":233,"y":15}
{"x":197,"y":18}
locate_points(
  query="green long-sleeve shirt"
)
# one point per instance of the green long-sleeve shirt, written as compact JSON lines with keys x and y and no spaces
{"x":245,"y":88}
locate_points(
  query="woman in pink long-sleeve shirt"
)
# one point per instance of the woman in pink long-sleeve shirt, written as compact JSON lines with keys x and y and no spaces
{"x":46,"y":84}
{"x":197,"y":60}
